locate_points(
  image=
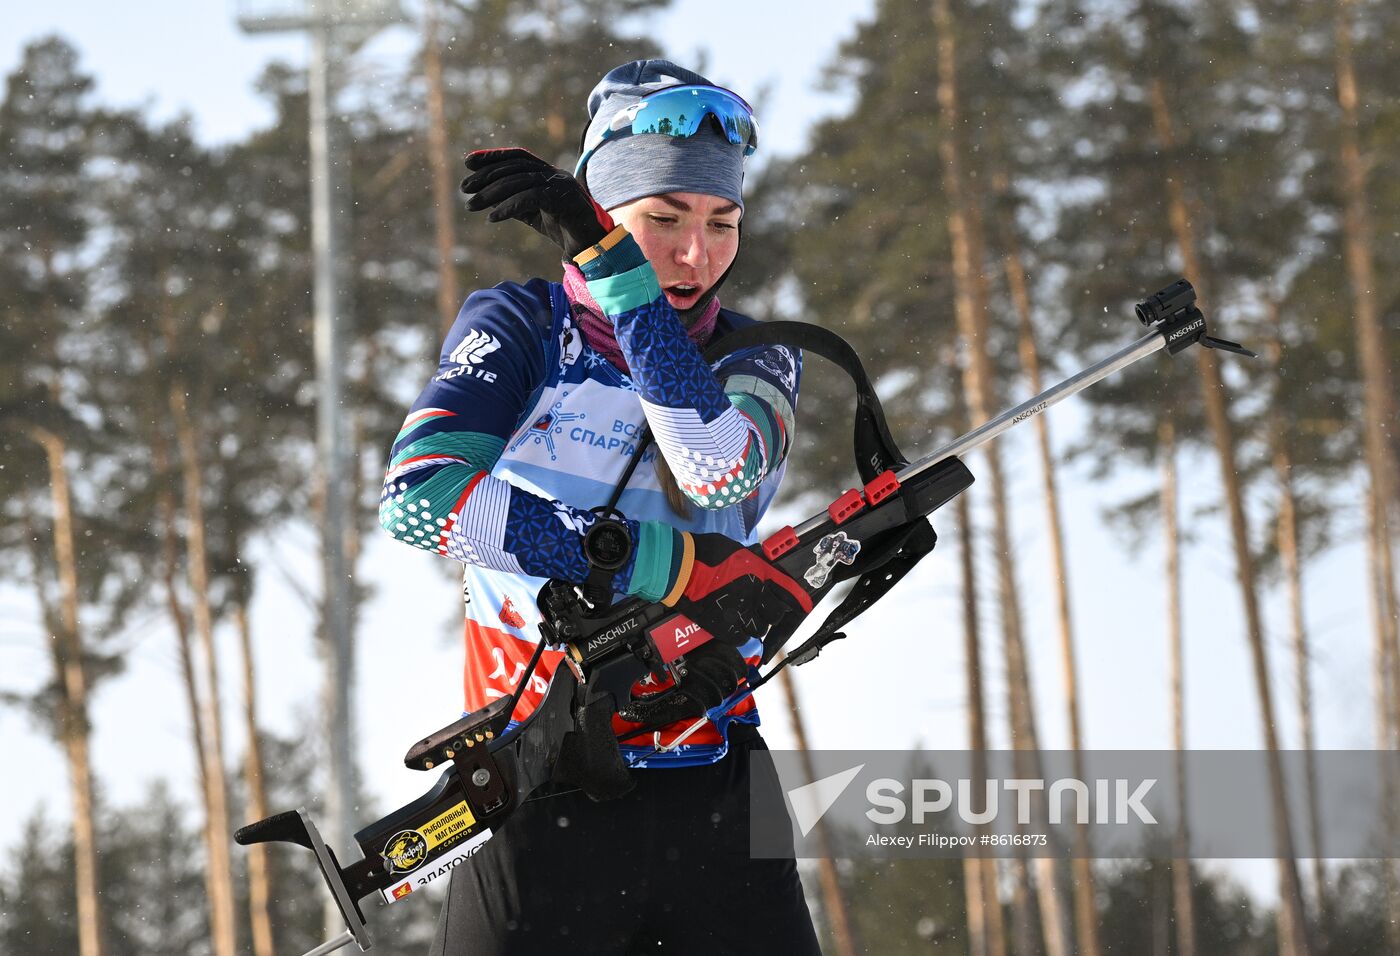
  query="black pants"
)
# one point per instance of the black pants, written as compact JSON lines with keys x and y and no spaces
{"x":665,"y":869}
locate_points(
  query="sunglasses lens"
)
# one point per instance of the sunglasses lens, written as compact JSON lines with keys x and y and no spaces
{"x":680,"y":111}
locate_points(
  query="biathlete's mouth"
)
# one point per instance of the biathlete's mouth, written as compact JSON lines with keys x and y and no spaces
{"x":683,"y":294}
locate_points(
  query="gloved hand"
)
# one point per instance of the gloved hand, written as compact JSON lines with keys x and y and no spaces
{"x":712,"y":672}
{"x":735,"y":593}
{"x":514,"y":183}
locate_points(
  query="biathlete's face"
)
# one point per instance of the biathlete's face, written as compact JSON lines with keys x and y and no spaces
{"x":690,"y":239}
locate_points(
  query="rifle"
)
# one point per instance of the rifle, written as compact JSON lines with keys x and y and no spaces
{"x":875,"y":534}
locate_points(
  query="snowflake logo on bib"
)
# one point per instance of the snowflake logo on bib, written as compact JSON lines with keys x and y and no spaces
{"x":546,"y":426}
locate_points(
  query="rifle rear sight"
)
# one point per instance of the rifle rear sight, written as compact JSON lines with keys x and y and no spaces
{"x":1166,"y":303}
{"x":1172,"y":311}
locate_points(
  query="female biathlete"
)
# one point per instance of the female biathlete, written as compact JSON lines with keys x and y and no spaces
{"x":541,"y":394}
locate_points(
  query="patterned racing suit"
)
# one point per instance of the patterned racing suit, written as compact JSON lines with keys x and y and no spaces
{"x":524,"y":427}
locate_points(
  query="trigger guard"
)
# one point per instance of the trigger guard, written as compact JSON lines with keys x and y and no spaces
{"x":650,"y":702}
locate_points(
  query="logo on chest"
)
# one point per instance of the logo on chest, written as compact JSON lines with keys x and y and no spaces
{"x":547,"y":426}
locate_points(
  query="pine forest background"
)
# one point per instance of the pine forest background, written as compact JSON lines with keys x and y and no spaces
{"x":1004,"y":181}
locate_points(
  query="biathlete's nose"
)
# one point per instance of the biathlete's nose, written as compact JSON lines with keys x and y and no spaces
{"x":693,"y":251}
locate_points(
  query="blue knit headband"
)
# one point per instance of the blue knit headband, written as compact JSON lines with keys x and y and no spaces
{"x":648,"y":165}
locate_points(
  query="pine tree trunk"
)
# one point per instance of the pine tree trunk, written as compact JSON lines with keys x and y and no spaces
{"x":74,"y":730}
{"x":992,"y":909}
{"x":556,"y":126}
{"x":972,"y":900}
{"x":964,"y":227}
{"x":1161,"y":910}
{"x":833,"y":900}
{"x":1086,"y":915}
{"x":1386,"y":699}
{"x":223,"y":924}
{"x":1024,"y":937}
{"x":1358,"y":245}
{"x":1371,"y":345}
{"x":986,"y":930}
{"x":1293,"y":934}
{"x":170,"y":561}
{"x":1287,"y":538}
{"x":444,"y":207}
{"x":259,"y":872}
{"x":1181,"y":840}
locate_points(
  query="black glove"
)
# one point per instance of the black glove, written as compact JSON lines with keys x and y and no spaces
{"x":588,"y":755}
{"x":712,"y":672}
{"x":514,"y":183}
{"x":735,"y":593}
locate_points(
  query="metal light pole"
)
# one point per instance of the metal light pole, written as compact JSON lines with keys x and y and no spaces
{"x":327,"y":219}
{"x":327,"y":22}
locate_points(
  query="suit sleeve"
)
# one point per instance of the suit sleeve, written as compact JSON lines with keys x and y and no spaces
{"x":721,"y":435}
{"x":438,"y":492}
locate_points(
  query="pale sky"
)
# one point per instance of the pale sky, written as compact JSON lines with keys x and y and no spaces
{"x":898,"y":679}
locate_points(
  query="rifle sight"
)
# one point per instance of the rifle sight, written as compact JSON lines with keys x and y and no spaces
{"x":1166,"y":303}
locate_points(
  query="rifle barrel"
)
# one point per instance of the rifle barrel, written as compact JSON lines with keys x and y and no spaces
{"x":1143,"y":347}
